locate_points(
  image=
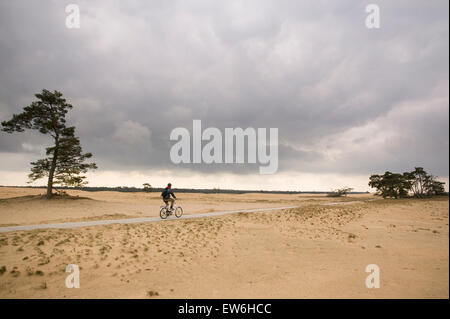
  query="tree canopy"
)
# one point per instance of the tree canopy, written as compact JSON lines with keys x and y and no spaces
{"x":417,"y":182}
{"x":344,"y":190}
{"x":147,"y":187}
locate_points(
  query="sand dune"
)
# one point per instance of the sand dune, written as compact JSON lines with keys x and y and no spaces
{"x":24,"y":206}
{"x":313,"y":251}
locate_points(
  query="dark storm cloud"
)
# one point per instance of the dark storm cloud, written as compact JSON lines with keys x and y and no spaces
{"x":137,"y":69}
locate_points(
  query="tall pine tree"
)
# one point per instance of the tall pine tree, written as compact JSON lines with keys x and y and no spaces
{"x":65,"y":161}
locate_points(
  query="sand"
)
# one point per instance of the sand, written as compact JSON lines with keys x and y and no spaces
{"x":313,"y":251}
{"x":18,"y":206}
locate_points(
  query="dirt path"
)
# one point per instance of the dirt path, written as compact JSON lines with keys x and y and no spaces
{"x":132,"y":220}
{"x":149,"y":219}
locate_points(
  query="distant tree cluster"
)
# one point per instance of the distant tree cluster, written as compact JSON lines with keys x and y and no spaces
{"x":147,"y":187}
{"x":417,"y":182}
{"x":343,"y":191}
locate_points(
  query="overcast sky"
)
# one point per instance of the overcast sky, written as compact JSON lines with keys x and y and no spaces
{"x":348,"y":101}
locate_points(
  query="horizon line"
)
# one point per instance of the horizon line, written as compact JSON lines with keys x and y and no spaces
{"x":182,"y":189}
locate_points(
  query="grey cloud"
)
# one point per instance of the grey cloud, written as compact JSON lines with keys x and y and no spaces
{"x":309,"y":68}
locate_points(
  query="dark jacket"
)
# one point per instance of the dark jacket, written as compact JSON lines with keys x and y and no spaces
{"x":167,"y":192}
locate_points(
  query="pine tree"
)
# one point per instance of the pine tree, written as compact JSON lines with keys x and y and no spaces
{"x":64,"y":164}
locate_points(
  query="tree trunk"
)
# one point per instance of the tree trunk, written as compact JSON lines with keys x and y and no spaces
{"x":52,"y":171}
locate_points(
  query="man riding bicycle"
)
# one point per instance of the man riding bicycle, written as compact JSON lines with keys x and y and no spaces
{"x":166,"y":196}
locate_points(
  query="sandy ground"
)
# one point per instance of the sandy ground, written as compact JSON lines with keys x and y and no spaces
{"x":312,"y":251}
{"x":19,"y":206}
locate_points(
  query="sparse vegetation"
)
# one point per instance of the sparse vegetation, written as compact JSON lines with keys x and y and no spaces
{"x":44,"y":261}
{"x":62,"y":242}
{"x":29,"y":271}
{"x":340,"y":192}
{"x":3,"y":241}
{"x":118,"y":252}
{"x":15,"y":273}
{"x":152,"y":293}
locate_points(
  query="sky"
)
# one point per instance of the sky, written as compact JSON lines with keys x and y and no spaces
{"x":348,"y":101}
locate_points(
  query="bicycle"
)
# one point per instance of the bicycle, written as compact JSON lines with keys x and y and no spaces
{"x":165,"y":211}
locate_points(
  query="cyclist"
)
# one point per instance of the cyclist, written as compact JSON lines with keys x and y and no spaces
{"x":166,"y":196}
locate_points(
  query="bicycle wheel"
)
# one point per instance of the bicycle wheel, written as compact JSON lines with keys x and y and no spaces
{"x":178,"y":212}
{"x":163,"y":213}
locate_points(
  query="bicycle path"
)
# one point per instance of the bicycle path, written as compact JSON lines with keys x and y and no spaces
{"x":146,"y":219}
